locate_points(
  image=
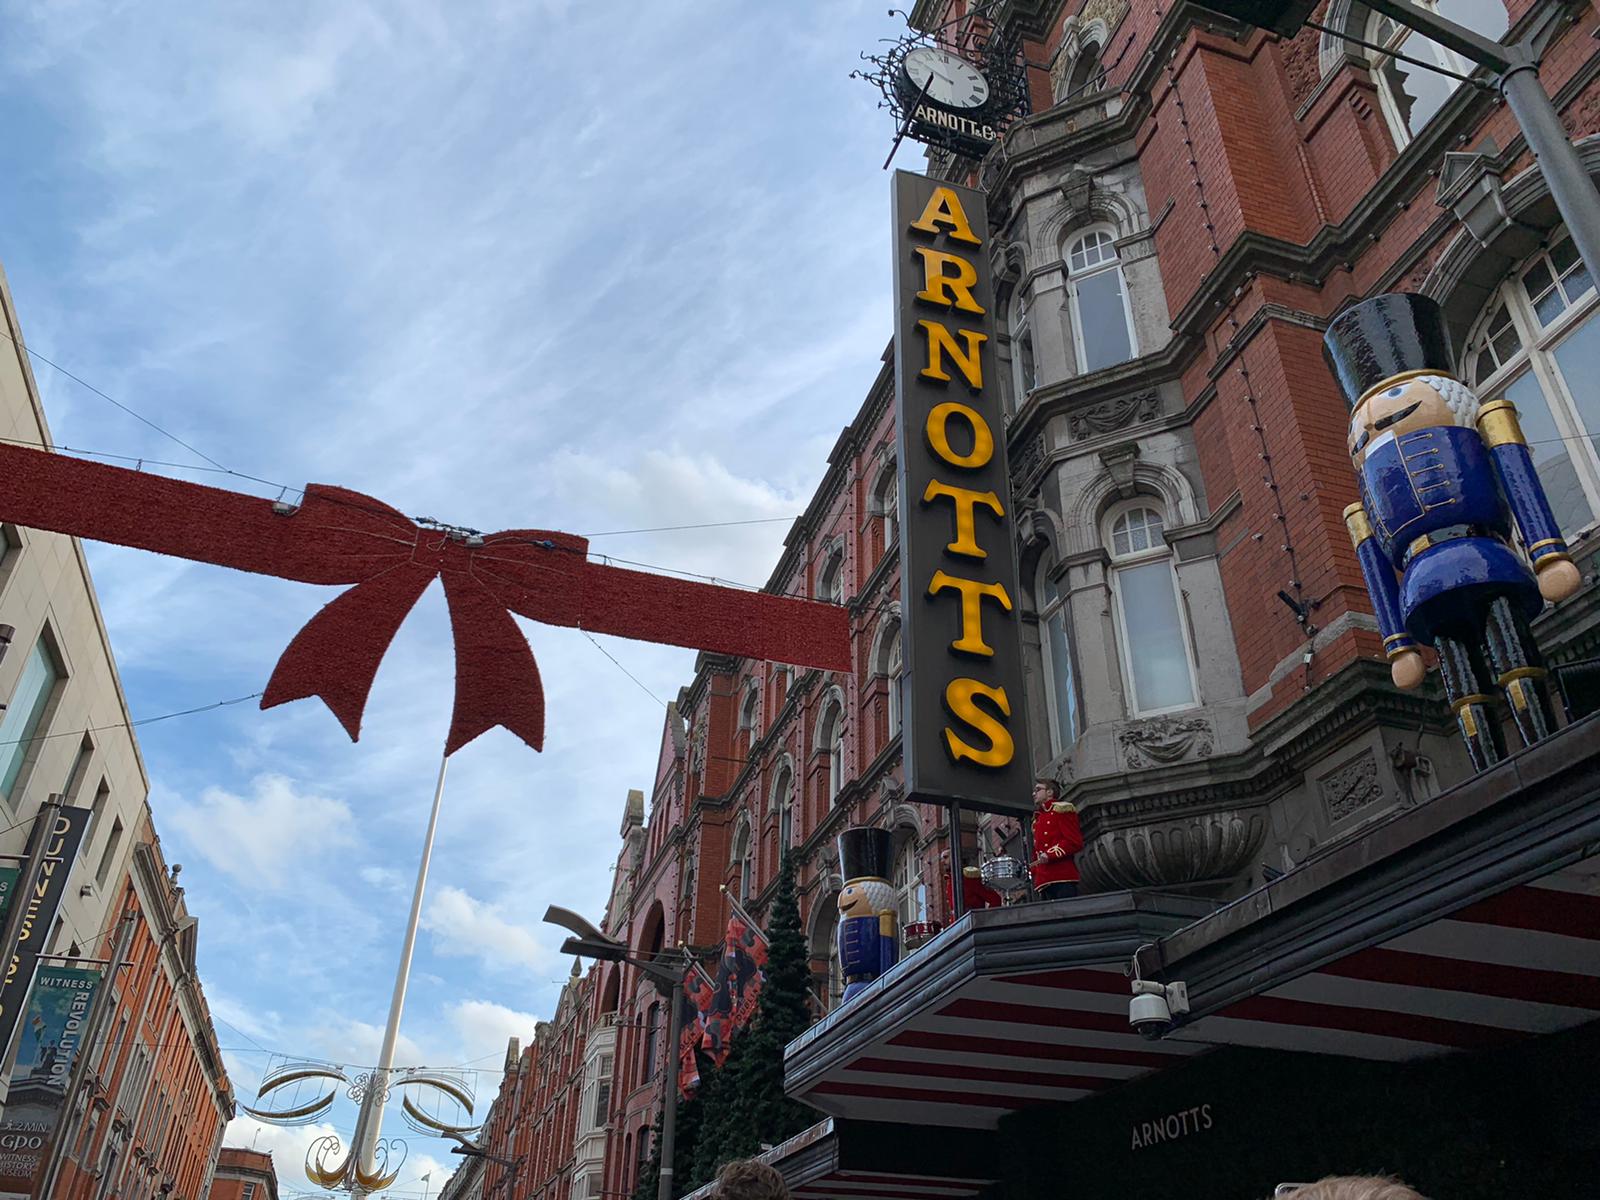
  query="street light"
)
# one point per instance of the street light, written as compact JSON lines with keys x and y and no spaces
{"x":1518,"y":69}
{"x":666,"y":972}
{"x":473,"y":1150}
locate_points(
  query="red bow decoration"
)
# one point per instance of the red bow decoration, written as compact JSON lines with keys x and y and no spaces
{"x":340,"y":536}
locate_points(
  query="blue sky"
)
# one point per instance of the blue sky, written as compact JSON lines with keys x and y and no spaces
{"x":581,"y":266}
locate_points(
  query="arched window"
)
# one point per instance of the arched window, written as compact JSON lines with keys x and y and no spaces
{"x":1024,"y":373}
{"x":652,"y":1040}
{"x":830,"y":737}
{"x":910,"y":895}
{"x":894,"y":667}
{"x":783,"y":801}
{"x":1411,"y":95}
{"x":1087,"y":73}
{"x":1102,"y":319}
{"x":830,"y":580}
{"x":750,"y":710}
{"x":886,"y":506}
{"x":641,"y":1148}
{"x":743,"y":860}
{"x":1060,"y":679}
{"x":1538,"y":345}
{"x":1151,"y":630}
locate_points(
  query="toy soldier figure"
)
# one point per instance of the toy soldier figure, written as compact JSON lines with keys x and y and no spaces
{"x":868,"y":944}
{"x":1442,"y":480}
{"x":1056,"y":842}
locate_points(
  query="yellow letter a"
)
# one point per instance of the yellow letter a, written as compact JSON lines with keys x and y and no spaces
{"x":945,"y":209}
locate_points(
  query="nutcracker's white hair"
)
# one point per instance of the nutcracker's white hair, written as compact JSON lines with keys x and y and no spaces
{"x":879,"y":892}
{"x":1463,"y":401}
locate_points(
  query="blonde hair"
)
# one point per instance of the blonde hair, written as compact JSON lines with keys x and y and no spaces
{"x":1354,"y":1187}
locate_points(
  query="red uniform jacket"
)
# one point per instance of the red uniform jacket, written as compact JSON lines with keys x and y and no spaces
{"x":1056,"y":838}
{"x":974,"y":893}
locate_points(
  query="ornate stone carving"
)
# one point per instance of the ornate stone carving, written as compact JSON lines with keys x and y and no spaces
{"x":1111,"y":415}
{"x":1200,"y":849}
{"x":1027,"y":467}
{"x":1110,"y":12}
{"x":1165,"y":740}
{"x":1348,"y":789}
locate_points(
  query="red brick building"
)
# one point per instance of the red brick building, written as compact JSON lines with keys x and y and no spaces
{"x":1173,"y":227}
{"x":244,"y":1175}
{"x":156,"y":1100}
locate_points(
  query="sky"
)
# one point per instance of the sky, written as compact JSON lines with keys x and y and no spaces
{"x":593,"y":267}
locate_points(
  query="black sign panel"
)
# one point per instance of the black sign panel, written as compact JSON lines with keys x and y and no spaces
{"x":965,"y":731}
{"x":59,"y":840}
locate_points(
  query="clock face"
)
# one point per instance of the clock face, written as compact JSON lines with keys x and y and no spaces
{"x":945,"y":78}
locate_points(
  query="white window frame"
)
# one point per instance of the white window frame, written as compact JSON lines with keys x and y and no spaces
{"x":750,"y":709}
{"x":1075,"y":277}
{"x":830,"y":737}
{"x":1021,"y":333}
{"x":887,"y":498}
{"x":1139,"y":558}
{"x":1536,"y":355}
{"x":1046,"y":610}
{"x":894,"y":667}
{"x":830,"y":579}
{"x":783,"y":805}
{"x":910,"y":894}
{"x":743,"y":859}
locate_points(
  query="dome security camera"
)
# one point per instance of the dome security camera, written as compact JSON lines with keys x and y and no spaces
{"x":1154,"y":1005}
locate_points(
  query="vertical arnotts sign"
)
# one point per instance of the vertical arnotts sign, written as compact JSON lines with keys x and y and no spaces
{"x":965,"y":730}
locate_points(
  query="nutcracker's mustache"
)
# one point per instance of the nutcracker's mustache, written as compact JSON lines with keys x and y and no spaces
{"x":1396,"y":416}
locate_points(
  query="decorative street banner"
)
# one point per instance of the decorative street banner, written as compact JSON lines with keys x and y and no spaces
{"x":60,"y":846}
{"x":8,"y":885}
{"x":58,"y":1017}
{"x":965,"y":729}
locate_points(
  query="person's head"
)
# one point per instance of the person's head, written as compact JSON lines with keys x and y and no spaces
{"x":748,"y":1179}
{"x":1045,"y":791}
{"x":1352,"y":1187}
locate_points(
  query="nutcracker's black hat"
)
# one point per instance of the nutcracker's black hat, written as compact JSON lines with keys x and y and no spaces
{"x":1384,"y":337}
{"x":864,"y":852}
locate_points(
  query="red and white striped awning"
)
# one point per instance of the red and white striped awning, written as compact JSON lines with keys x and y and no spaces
{"x":1521,"y":963}
{"x":998,"y":1044}
{"x":1514,"y":965}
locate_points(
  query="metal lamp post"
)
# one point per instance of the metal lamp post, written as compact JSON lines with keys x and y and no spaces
{"x":666,"y":972}
{"x":1516,"y":66}
{"x":473,"y":1150}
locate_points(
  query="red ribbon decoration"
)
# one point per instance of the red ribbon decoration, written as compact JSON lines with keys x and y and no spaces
{"x":338,"y":536}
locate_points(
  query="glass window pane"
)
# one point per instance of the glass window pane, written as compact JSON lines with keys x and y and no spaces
{"x":1578,"y":356}
{"x":1550,"y":306}
{"x":23,"y":714}
{"x":1119,"y":538}
{"x":1552,"y":457}
{"x":1153,"y":636}
{"x":1063,"y":694}
{"x":1418,"y":94}
{"x":1103,"y":321}
{"x":1564,"y":254}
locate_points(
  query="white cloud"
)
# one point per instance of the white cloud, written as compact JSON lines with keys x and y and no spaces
{"x":484,"y":1029}
{"x":465,"y":926}
{"x":255,"y":838}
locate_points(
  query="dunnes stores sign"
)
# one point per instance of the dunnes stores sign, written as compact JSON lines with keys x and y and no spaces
{"x":964,"y":728}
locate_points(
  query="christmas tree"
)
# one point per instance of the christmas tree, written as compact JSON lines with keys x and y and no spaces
{"x":765,"y":1114}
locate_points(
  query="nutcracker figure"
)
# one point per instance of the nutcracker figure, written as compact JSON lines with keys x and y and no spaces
{"x":1056,"y":842}
{"x":868,"y":945}
{"x":1443,"y":479}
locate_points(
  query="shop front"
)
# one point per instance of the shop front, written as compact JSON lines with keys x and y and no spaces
{"x":1419,"y":999}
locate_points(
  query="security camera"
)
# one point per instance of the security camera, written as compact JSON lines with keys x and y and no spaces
{"x":1153,"y":1006}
